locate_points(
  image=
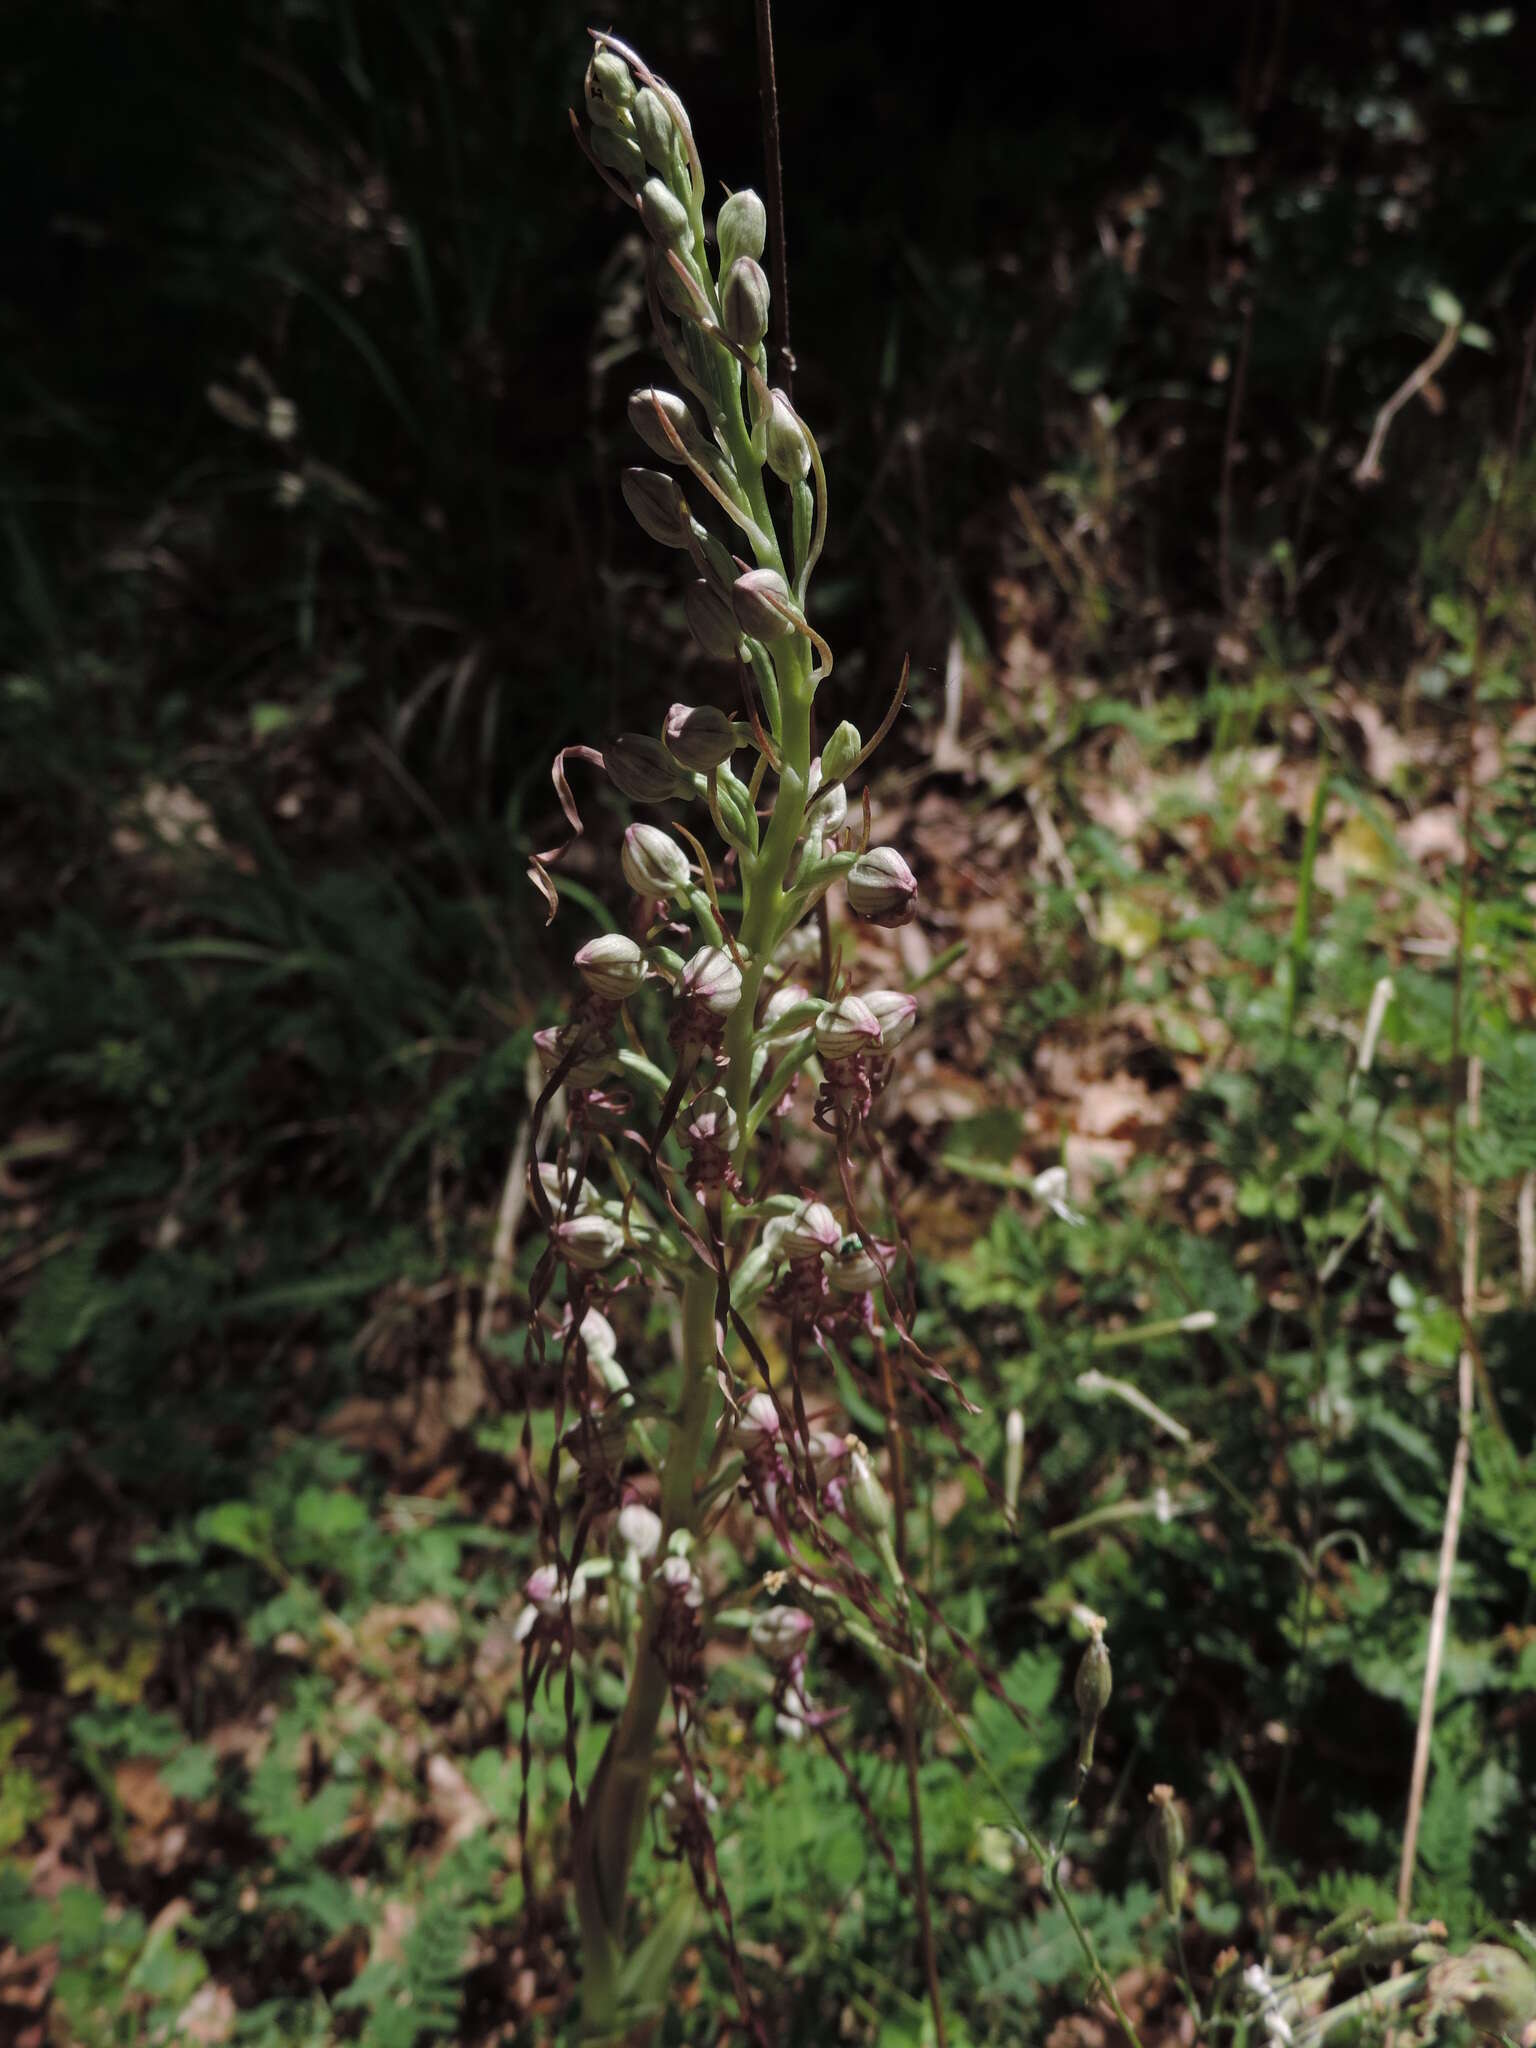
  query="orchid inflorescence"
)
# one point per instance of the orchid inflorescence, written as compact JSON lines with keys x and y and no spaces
{"x":668,"y":1176}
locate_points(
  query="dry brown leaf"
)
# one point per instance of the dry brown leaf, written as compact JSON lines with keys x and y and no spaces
{"x":143,"y":1796}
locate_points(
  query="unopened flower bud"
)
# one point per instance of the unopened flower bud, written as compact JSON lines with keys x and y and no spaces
{"x":846,"y":1028}
{"x":758,"y":1423}
{"x":643,"y":409}
{"x":562,"y":1191}
{"x":882,"y":888}
{"x":711,"y":1121}
{"x":619,"y":152}
{"x":544,"y":1589}
{"x":639,"y":1530}
{"x":655,"y":130}
{"x":597,"y":1335}
{"x":851,"y":1271}
{"x":792,"y":996}
{"x":643,"y":770}
{"x":700,"y":736}
{"x":780,"y":1632}
{"x":665,"y":216}
{"x":840,"y":752}
{"x":1091,"y":1689}
{"x":609,"y":76}
{"x":1013,"y":1460}
{"x":763,"y":605}
{"x":711,"y":621}
{"x":786,"y":449}
{"x":828,"y":1451}
{"x":894,"y":1012}
{"x":744,"y":298}
{"x":713,"y":979}
{"x":741,"y":227}
{"x":653,"y":863}
{"x":869,"y":1505}
{"x":612,"y":966}
{"x":1165,"y":1839}
{"x":825,"y":813}
{"x":658,"y":504}
{"x":681,"y":1581}
{"x":555,"y":1041}
{"x":587,"y":1242}
{"x":812,"y":1230}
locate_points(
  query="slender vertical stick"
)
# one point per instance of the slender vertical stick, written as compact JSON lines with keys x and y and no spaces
{"x":773,"y":177}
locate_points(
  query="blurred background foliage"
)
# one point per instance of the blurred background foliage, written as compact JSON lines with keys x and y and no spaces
{"x":314,"y":338}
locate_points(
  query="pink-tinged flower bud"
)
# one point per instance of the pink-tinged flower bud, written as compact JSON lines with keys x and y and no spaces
{"x":787,"y":450}
{"x":851,"y":1271}
{"x":545,"y":1589}
{"x":619,"y":152}
{"x":612,"y":966}
{"x":587,"y":1242}
{"x":653,"y":864}
{"x":639,"y":1530}
{"x":711,"y":1121}
{"x":699,"y":736}
{"x":812,"y":1230}
{"x":780,"y":1632}
{"x":895,"y":1013}
{"x":846,"y":1028}
{"x":610,"y":88}
{"x":882,"y":888}
{"x":643,"y":408}
{"x":642,"y":769}
{"x":681,"y":1581}
{"x":561,"y":1191}
{"x":655,"y":130}
{"x":665,"y":216}
{"x":744,"y":299}
{"x":554,"y":1042}
{"x":712,"y":979}
{"x":711,"y":621}
{"x":792,"y":996}
{"x":824,"y":814}
{"x":658,"y":504}
{"x":869,"y":1505}
{"x":741,"y":227}
{"x":828,"y":1451}
{"x":763,"y":605}
{"x":758,"y":1423}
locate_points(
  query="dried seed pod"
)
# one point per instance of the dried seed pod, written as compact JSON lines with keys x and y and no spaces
{"x":711,"y":621}
{"x":612,"y":966}
{"x":780,"y":1632}
{"x":744,"y":301}
{"x":643,"y":769}
{"x":638,"y":1529}
{"x":658,"y":504}
{"x":712,"y":979}
{"x":841,"y":751}
{"x":665,"y":216}
{"x":763,"y":605}
{"x":620,"y":152}
{"x":1165,"y":1839}
{"x":882,"y":888}
{"x":894,"y":1012}
{"x":846,"y":1028}
{"x":643,"y":406}
{"x":587,"y":1242}
{"x":699,"y":736}
{"x":655,"y":130}
{"x":812,"y":1230}
{"x":869,"y":1505}
{"x":785,"y":447}
{"x":653,"y":863}
{"x":741,"y":227}
{"x":851,"y":1271}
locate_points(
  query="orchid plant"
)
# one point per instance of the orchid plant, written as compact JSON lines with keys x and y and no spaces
{"x":669,"y":1177}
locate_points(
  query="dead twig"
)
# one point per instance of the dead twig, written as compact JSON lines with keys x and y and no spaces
{"x":1368,"y":470}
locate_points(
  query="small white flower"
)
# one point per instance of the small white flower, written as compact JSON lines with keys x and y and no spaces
{"x":1050,"y":1188}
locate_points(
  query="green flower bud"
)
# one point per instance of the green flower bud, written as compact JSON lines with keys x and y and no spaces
{"x":882,"y":888}
{"x":654,"y":130}
{"x":665,"y":216}
{"x":644,"y":771}
{"x":744,"y":298}
{"x":894,"y":1012}
{"x":763,"y":605}
{"x":699,"y":736}
{"x":840,"y":752}
{"x":741,"y":228}
{"x":619,"y":152}
{"x":711,"y":621}
{"x":612,"y":966}
{"x":588,"y":1242}
{"x":869,"y":1505}
{"x":1165,"y":1839}
{"x":642,"y":417}
{"x":653,"y":863}
{"x":845,"y":1029}
{"x":737,"y":816}
{"x":610,"y":87}
{"x":824,"y":814}
{"x":713,"y":979}
{"x":1091,"y":1689}
{"x":657,"y":502}
{"x":787,"y":451}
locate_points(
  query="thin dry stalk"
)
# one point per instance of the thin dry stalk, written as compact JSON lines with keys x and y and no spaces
{"x":1368,"y":471}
